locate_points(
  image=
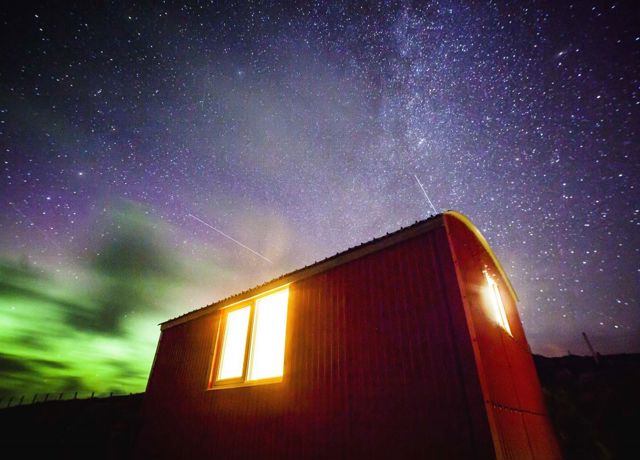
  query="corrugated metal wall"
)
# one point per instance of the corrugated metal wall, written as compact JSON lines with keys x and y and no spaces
{"x":378,"y":364}
{"x":515,"y":405}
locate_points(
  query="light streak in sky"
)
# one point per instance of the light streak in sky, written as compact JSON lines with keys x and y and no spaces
{"x":425,"y":195}
{"x":232,"y":239}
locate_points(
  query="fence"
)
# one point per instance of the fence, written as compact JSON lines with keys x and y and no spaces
{"x":12,"y":401}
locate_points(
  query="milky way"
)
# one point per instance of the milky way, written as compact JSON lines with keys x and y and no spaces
{"x":301,"y":132}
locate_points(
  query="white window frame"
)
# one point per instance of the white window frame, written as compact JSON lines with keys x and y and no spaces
{"x":243,"y":380}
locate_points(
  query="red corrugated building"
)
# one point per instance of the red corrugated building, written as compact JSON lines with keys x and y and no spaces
{"x":409,"y":346}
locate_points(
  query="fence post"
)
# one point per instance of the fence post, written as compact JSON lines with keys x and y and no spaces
{"x":60,"y":397}
{"x":75,"y":395}
{"x":35,"y":398}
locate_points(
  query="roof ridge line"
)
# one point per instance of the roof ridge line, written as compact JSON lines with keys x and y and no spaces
{"x":239,"y":296}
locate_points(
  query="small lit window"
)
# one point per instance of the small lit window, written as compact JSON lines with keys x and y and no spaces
{"x":251,"y":343}
{"x":495,"y":302}
{"x":234,"y":344}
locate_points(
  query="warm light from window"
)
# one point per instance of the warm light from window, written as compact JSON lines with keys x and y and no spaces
{"x":234,"y":344}
{"x":252,"y":342}
{"x":495,"y":301}
{"x":269,"y":331}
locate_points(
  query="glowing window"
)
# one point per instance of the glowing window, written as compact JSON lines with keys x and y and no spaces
{"x":495,"y":302}
{"x":251,"y":344}
{"x":269,"y":328}
{"x":234,"y":344}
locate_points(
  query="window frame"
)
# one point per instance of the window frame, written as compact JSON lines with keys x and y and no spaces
{"x":495,"y":296}
{"x":242,"y":381}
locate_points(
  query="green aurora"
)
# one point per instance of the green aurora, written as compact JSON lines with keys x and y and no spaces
{"x":94,"y":330}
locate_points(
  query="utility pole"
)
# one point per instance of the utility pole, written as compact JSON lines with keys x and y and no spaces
{"x":593,"y":352}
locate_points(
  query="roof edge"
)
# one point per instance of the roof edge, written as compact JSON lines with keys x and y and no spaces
{"x":483,"y":241}
{"x":375,"y":245}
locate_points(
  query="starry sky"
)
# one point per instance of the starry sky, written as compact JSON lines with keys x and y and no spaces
{"x":157,"y":158}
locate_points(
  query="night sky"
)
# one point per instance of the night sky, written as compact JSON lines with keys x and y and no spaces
{"x":137,"y":141}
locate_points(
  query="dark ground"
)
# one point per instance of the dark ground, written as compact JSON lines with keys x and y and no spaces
{"x":596,"y":410}
{"x":100,"y":428}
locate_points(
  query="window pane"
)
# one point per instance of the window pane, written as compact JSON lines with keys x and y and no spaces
{"x":270,"y":324}
{"x":234,"y":344}
{"x":498,"y":311}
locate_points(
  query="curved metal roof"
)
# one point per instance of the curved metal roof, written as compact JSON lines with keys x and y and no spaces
{"x":483,"y":241}
{"x":340,"y":258}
